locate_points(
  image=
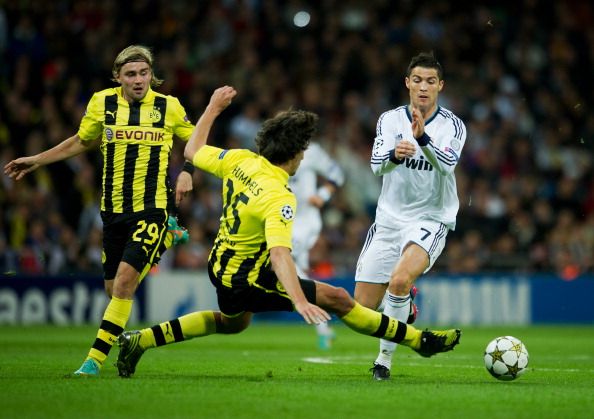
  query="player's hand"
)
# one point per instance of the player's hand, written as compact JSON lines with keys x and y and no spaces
{"x":316,"y":201}
{"x":221,"y":98}
{"x":18,"y":168}
{"x":403,"y":149}
{"x":418,"y":123}
{"x":183,"y":186}
{"x":311,"y":313}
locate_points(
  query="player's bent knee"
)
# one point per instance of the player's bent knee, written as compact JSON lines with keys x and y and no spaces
{"x":231,"y":325}
{"x":343,"y":296}
{"x":230,"y":330}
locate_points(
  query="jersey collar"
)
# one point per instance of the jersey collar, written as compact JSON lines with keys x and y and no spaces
{"x":431,"y":118}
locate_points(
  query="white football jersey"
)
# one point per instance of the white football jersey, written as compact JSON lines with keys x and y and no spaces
{"x":304,"y":184}
{"x":423,"y":186}
{"x":316,"y":162}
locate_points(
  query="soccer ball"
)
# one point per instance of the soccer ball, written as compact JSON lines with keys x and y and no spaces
{"x":506,"y":358}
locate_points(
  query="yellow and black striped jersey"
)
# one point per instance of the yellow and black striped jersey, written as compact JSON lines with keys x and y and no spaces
{"x":258,"y":212}
{"x":136,"y":143}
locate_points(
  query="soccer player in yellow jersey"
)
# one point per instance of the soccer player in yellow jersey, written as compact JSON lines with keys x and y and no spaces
{"x":250,"y":264}
{"x":134,"y":126}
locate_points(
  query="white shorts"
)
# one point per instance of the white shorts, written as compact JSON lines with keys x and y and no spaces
{"x":383,"y":248}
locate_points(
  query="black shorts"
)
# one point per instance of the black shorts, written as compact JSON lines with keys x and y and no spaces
{"x":133,"y":238}
{"x":269,"y":295}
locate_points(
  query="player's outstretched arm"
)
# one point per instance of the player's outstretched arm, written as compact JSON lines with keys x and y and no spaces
{"x":284,"y":268}
{"x":220,"y":99}
{"x":72,"y":146}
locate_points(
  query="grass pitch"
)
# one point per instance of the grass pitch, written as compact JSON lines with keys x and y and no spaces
{"x":276,"y":371}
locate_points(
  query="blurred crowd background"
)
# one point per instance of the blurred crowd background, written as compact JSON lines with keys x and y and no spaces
{"x":520,"y":74}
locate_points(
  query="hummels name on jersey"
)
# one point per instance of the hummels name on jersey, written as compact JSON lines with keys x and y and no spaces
{"x":252,"y":185}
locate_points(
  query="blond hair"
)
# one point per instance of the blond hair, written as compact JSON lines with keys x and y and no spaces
{"x":135,"y":53}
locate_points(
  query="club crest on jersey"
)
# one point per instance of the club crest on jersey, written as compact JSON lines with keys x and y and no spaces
{"x":287,"y":212}
{"x":155,"y":115}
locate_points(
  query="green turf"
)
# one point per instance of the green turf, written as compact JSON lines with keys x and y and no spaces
{"x":276,"y":371}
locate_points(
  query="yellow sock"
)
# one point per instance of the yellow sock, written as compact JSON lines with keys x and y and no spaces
{"x":372,"y":323}
{"x":362,"y":320}
{"x":412,"y":338}
{"x":114,"y":321}
{"x":199,"y":323}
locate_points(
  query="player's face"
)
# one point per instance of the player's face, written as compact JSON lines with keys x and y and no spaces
{"x":135,"y":78}
{"x":294,"y":164}
{"x":424,"y":85}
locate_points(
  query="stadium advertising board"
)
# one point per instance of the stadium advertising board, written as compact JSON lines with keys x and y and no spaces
{"x":486,"y":299}
{"x":59,"y":300}
{"x":505,"y":299}
{"x":173,"y":294}
{"x":442,"y":299}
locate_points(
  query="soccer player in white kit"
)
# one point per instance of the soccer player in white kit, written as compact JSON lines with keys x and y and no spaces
{"x":307,"y":224}
{"x":416,"y":149}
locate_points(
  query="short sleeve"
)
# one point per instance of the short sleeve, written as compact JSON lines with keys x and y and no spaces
{"x":91,"y":125}
{"x":279,"y":216}
{"x":215,"y":160}
{"x":183,"y":127}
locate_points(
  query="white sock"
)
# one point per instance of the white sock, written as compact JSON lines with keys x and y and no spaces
{"x":323,"y":329}
{"x":398,"y":308}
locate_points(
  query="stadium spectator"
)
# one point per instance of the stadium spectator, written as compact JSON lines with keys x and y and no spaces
{"x":534,"y":60}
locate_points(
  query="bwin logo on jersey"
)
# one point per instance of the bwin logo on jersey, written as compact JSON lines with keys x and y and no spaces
{"x":420,"y":164}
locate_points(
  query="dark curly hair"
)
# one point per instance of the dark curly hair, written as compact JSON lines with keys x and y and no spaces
{"x":425,"y":60}
{"x":281,"y":138}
